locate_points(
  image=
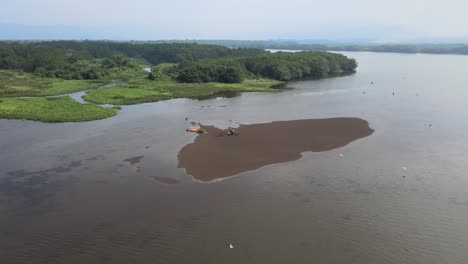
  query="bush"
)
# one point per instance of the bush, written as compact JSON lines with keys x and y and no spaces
{"x":211,"y":71}
{"x":230,"y":74}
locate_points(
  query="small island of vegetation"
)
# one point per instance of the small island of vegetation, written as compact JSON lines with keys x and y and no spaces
{"x":32,"y":72}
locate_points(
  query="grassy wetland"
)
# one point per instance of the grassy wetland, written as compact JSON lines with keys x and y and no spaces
{"x":143,"y":91}
{"x":21,"y":84}
{"x":52,"y":109}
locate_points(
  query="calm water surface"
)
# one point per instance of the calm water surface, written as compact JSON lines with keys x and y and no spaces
{"x":398,"y":196}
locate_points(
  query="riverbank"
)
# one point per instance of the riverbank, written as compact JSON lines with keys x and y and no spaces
{"x":22,"y":84}
{"x":139,"y":90}
{"x":27,"y":97}
{"x":143,"y":91}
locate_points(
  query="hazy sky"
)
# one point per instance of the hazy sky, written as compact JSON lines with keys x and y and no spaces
{"x":247,"y":19}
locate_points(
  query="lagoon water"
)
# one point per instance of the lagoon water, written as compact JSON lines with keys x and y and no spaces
{"x":110,"y":191}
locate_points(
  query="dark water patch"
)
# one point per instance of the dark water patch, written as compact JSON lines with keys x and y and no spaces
{"x":9,"y":233}
{"x":212,"y":156}
{"x":281,"y":86}
{"x":33,"y":187}
{"x":134,"y":160}
{"x":46,"y":172}
{"x":222,"y":94}
{"x":455,"y":201}
{"x":361,"y":191}
{"x":329,"y":76}
{"x":166,"y":180}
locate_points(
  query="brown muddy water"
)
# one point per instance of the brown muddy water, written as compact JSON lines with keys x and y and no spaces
{"x":67,"y":195}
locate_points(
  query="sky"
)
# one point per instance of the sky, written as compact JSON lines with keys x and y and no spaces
{"x":370,"y":20}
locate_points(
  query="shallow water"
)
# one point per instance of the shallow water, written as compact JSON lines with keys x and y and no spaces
{"x":67,"y":195}
{"x":78,"y":96}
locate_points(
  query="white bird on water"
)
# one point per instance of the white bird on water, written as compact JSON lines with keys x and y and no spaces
{"x":231,"y":246}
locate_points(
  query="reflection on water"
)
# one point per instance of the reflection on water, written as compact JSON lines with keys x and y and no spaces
{"x":221,"y":94}
{"x":399,"y":196}
{"x":134,"y":160}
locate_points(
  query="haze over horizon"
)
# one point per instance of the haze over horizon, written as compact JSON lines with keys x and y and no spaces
{"x":336,"y":20}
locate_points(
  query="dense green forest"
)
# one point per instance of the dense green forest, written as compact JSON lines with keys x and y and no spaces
{"x":282,"y":66}
{"x":91,"y":60}
{"x":88,"y":59}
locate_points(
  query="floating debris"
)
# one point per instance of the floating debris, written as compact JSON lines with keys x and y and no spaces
{"x":404,"y":168}
{"x":166,"y":180}
{"x":134,"y":160}
{"x":201,"y":131}
{"x":231,"y":246}
{"x":341,"y":155}
{"x":230,"y":131}
{"x":198,"y":130}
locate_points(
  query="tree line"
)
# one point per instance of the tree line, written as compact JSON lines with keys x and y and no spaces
{"x":194,"y":62}
{"x":93,"y":59}
{"x":282,"y":66}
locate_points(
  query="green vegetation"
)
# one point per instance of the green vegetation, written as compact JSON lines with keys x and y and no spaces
{"x":142,"y":90}
{"x":183,"y":70}
{"x":163,"y":72}
{"x":47,"y":62}
{"x":201,"y":131}
{"x":286,"y":66}
{"x":93,"y":59}
{"x":223,"y":71}
{"x":88,"y":60}
{"x":281,"y":66}
{"x":18,"y":84}
{"x":52,"y":109}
